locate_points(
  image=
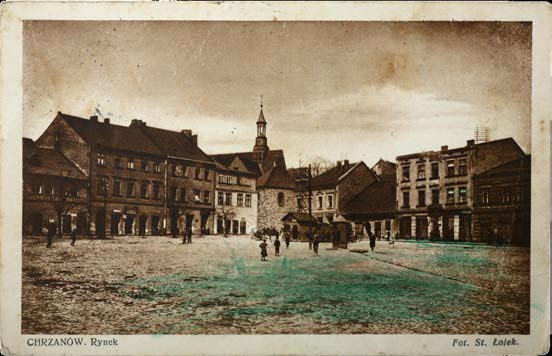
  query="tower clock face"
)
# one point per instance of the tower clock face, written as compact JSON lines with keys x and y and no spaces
{"x":260,"y":141}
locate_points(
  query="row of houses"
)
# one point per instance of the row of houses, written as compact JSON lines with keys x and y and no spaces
{"x":479,"y":192}
{"x":105,"y":179}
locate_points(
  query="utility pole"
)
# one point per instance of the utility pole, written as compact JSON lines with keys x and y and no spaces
{"x":309,"y":177}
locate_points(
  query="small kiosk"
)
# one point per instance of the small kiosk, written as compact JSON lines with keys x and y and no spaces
{"x":342,"y":232}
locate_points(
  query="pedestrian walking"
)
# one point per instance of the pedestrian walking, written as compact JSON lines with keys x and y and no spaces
{"x":189,"y":235}
{"x":264,"y":253}
{"x":184,"y":235}
{"x":277,"y":246}
{"x":287,"y":239}
{"x":315,"y":243}
{"x":372,"y":241}
{"x":73,"y":237}
{"x":50,"y":235}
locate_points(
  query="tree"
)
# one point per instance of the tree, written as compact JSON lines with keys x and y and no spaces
{"x":62,"y":196}
{"x":319,"y":165}
{"x":226,"y":213}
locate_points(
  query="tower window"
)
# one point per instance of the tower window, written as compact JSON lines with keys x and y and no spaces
{"x":281,"y":199}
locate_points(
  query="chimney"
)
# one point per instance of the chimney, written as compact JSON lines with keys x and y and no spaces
{"x":346,"y":162}
{"x":338,"y":163}
{"x":135,"y":123}
{"x":444,"y":148}
{"x":106,"y":120}
{"x":470,"y":143}
{"x":94,"y":118}
{"x":194,"y":139}
{"x":187,"y":133}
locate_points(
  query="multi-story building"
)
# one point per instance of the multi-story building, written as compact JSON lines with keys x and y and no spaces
{"x":435,"y":188}
{"x":129,"y":184}
{"x":275,"y":189}
{"x":236,"y":194}
{"x":334,"y":189}
{"x":502,"y":203}
{"x":54,"y":191}
{"x":375,"y":207}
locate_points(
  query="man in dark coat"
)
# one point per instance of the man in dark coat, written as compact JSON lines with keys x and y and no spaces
{"x":73,"y":237}
{"x":287,"y":239}
{"x":189,"y":235}
{"x":277,"y":246}
{"x":372,"y":241}
{"x":184,"y":235}
{"x":264,"y":252}
{"x":315,"y":243}
{"x":50,"y":234}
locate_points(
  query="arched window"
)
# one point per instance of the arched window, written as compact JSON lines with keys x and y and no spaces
{"x":281,"y":199}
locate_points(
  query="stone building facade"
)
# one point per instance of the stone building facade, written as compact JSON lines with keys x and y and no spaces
{"x":435,"y":188}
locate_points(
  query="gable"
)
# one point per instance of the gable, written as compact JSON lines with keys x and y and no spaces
{"x":237,"y":165}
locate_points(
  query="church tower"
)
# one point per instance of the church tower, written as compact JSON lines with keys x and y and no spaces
{"x":261,"y":146}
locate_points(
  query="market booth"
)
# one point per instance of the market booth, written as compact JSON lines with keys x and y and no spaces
{"x":342,"y":232}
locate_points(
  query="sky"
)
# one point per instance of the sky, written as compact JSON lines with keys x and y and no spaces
{"x":337,"y":90}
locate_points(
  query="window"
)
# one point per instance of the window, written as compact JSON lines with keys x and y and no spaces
{"x":421,"y":198}
{"x":435,"y":197}
{"x":299,"y":202}
{"x":281,"y":199}
{"x":462,"y":195}
{"x":102,"y":185}
{"x":406,"y":199}
{"x":100,"y":159}
{"x":157,"y":167}
{"x":183,"y":196}
{"x":462,"y":167}
{"x":144,"y":190}
{"x":176,"y":170}
{"x":240,"y":200}
{"x":388,"y":225}
{"x":450,"y":196}
{"x":450,"y":168}
{"x":37,"y":189}
{"x":330,"y":201}
{"x":197,"y":173}
{"x":206,"y":197}
{"x":73,"y":192}
{"x":226,"y":179}
{"x":206,"y":174}
{"x":318,"y":202}
{"x":156,"y":190}
{"x":130,"y":189}
{"x":130,"y":163}
{"x":434,"y":170}
{"x":172,"y":193}
{"x":485,"y":196}
{"x":248,"y":200}
{"x":220,"y":198}
{"x":406,"y":173}
{"x":117,"y":188}
{"x":197,"y":197}
{"x":421,"y":171}
{"x":243,"y":227}
{"x":506,"y":195}
{"x":145,"y":166}
{"x":228,"y":199}
{"x":118,"y":163}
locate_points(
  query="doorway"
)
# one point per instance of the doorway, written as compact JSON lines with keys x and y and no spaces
{"x":115,"y":220}
{"x":142,"y":224}
{"x":36,"y":222}
{"x":129,"y":224}
{"x":66,"y":224}
{"x":155,"y":225}
{"x":100,"y":222}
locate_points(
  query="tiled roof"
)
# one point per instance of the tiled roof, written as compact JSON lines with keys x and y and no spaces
{"x":173,"y":143}
{"x":48,"y":161}
{"x":246,"y":157}
{"x":378,"y":198}
{"x":515,"y":166}
{"x":276,"y":177}
{"x":112,"y":136}
{"x":301,"y":217}
{"x":330,"y":178}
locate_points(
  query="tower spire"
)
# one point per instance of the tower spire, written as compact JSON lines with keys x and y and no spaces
{"x":261,"y":101}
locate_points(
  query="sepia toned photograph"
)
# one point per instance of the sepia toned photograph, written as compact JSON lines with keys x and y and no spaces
{"x":284,"y":177}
